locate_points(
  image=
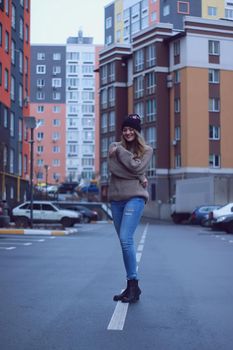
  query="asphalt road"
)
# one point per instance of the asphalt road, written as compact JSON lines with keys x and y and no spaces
{"x":56,"y":292}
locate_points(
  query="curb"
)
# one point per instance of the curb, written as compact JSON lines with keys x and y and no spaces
{"x":37,"y":232}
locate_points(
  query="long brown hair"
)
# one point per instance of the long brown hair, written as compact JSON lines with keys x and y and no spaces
{"x":137,"y":147}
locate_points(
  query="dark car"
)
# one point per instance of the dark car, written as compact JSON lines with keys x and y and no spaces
{"x":224,"y":223}
{"x":201,"y":214}
{"x":88,"y":214}
{"x":4,"y":214}
{"x":67,"y":187}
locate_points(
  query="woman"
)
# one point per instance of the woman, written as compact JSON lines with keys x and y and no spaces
{"x":128,"y":161}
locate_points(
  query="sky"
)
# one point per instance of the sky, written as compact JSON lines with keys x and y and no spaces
{"x":53,"y":21}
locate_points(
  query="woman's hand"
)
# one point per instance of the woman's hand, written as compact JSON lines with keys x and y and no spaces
{"x":112,"y":149}
{"x":144,"y":183}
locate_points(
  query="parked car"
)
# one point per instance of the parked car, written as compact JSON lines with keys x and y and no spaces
{"x":4,"y":214}
{"x":201,"y":214}
{"x":88,"y":214}
{"x":45,"y":212}
{"x":224,"y":222}
{"x":222,"y":211}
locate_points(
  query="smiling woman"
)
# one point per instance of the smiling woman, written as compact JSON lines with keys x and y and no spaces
{"x":128,"y":162}
{"x":75,"y":14}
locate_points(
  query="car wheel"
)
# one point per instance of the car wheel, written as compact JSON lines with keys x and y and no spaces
{"x":229,"y":228}
{"x":21,"y":222}
{"x":86,"y":220}
{"x":66,"y":222}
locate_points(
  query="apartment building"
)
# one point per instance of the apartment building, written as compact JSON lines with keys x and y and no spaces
{"x":180,"y":84}
{"x":14,"y":92}
{"x":82,"y":116}
{"x":125,"y":18}
{"x":48,"y":106}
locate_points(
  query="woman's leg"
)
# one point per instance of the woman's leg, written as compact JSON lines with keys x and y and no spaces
{"x":133,"y":210}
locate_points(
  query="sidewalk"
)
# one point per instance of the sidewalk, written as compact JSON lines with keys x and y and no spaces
{"x":37,"y":231}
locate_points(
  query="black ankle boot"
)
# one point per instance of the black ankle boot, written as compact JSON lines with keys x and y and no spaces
{"x":123,"y":294}
{"x":132,"y":296}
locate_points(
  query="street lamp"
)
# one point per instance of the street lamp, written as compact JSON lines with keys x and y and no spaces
{"x":30,"y":123}
{"x":46,"y":179}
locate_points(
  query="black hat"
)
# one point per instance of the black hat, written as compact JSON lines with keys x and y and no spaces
{"x":132,"y":121}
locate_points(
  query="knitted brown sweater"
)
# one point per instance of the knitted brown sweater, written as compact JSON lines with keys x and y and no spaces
{"x":127,"y":173}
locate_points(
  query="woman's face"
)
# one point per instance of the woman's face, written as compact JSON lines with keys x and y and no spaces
{"x":128,"y":134}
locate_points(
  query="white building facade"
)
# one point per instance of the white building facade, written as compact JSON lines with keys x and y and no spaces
{"x":80,"y":108}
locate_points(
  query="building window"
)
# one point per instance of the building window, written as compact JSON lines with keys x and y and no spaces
{"x":56,"y":122}
{"x":12,"y":52}
{"x":151,"y":110}
{"x":56,"y":162}
{"x":12,"y":88}
{"x":56,"y":109}
{"x":103,"y":75}
{"x":112,"y":122}
{"x":229,"y":13}
{"x":151,"y":136}
{"x":40,"y":83}
{"x":176,"y":47}
{"x":6,"y":79}
{"x":214,"y":132}
{"x":138,"y":86}
{"x":12,"y":156}
{"x":214,"y":161}
{"x":138,"y":60}
{"x":56,"y":70}
{"x":40,"y":136}
{"x":150,"y":56}
{"x":177,"y":105}
{"x":177,"y":161}
{"x":183,"y":7}
{"x":139,"y":109}
{"x":13,"y":16}
{"x":104,"y":123}
{"x":177,"y":76}
{"x":214,"y":76}
{"x":108,"y":23}
{"x":103,"y":98}
{"x":57,"y":56}
{"x":111,"y":73}
{"x":21,"y":28}
{"x":56,"y":82}
{"x":166,"y":10}
{"x":40,"y":149}
{"x":214,"y":47}
{"x":41,"y":69}
{"x":150,"y":83}
{"x":177,"y":133}
{"x":21,"y":62}
{"x":152,"y":167}
{"x":214,"y":105}
{"x":6,"y":42}
{"x":12,"y":124}
{"x":104,"y":147}
{"x":0,"y":34}
{"x":212,"y":11}
{"x":40,"y":95}
{"x":40,"y":109}
{"x":111,"y":96}
{"x":56,"y":95}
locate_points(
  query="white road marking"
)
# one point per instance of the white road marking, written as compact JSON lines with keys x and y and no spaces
{"x":9,"y":248}
{"x":140,"y":247}
{"x":230,"y":241}
{"x":223,"y":239}
{"x":119,"y":315}
{"x":27,"y":244}
{"x":118,"y":318}
{"x":138,"y":257}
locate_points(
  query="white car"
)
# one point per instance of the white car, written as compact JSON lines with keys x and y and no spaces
{"x":224,"y":210}
{"x":44,"y":212}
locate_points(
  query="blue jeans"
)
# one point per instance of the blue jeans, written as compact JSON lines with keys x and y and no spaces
{"x":126,"y":216}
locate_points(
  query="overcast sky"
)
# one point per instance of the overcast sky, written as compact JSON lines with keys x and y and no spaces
{"x":53,"y":21}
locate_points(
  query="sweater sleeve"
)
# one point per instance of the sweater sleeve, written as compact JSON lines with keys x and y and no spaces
{"x":119,"y":170}
{"x":136,"y":165}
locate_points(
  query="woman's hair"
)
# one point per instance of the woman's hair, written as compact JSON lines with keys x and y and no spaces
{"x":137,"y":147}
